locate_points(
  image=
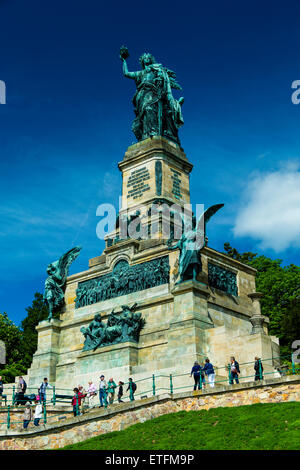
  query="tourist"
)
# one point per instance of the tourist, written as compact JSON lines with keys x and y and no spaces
{"x":27,"y":416}
{"x":203,"y":382}
{"x":102,"y":391}
{"x":1,"y":389}
{"x":111,"y":387}
{"x":76,"y":401}
{"x":21,"y":387}
{"x":42,"y":390}
{"x":120,"y":391}
{"x":209,"y":371}
{"x":132,"y":388}
{"x":84,"y":394}
{"x":196,"y":371}
{"x":258,"y":367}
{"x":234,"y":371}
{"x":38,"y":413}
{"x":91,"y":394}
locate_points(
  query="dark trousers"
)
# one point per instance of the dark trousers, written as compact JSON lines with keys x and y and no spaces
{"x":234,"y":376}
{"x":76,"y":410}
{"x":119,"y":399}
{"x":42,"y":397}
{"x":25,"y":423}
{"x":197,"y":381}
{"x":102,"y":396}
{"x":36,"y":421}
{"x":257,"y":376}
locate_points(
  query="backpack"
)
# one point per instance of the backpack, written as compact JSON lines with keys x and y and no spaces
{"x":25,"y":386}
{"x":133,"y":385}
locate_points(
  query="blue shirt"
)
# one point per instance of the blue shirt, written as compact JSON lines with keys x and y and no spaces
{"x":208,"y":368}
{"x":196,"y":370}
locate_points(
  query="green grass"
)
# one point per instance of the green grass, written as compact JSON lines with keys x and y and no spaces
{"x":273,"y":426}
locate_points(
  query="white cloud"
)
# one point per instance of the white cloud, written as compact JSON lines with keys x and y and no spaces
{"x":270,"y":209}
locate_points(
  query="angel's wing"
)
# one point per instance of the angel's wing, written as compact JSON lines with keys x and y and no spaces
{"x":172,"y":78}
{"x":66,"y":260}
{"x":204,"y":218}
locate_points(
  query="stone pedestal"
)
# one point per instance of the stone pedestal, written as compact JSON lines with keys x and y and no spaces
{"x":189,"y":322}
{"x":46,"y":357}
{"x":115,"y":360}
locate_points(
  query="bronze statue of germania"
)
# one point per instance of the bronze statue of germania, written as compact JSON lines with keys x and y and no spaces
{"x":157,"y":111}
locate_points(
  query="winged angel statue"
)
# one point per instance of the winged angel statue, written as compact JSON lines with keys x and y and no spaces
{"x":157,"y":111}
{"x":55,"y":284}
{"x":191,"y":242}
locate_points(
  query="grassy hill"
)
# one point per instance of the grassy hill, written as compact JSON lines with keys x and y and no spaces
{"x":273,"y":426}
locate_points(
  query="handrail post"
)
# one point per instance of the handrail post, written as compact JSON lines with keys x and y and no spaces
{"x":130,"y":391}
{"x":77,"y":405}
{"x":229,"y":374}
{"x":13,"y":395}
{"x":8,"y":416}
{"x":153,"y":384}
{"x":293,"y":365}
{"x":105,"y":398}
{"x":54,"y":398}
{"x":171,"y":384}
{"x":45,"y":413}
{"x":260,"y":370}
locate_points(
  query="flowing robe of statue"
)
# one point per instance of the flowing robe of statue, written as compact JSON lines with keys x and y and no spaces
{"x":157,"y":111}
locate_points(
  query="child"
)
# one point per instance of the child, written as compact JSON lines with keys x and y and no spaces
{"x":38,"y":413}
{"x":27,"y":416}
{"x":76,"y":401}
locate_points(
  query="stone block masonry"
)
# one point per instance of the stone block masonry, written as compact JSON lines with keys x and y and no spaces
{"x":118,"y":417}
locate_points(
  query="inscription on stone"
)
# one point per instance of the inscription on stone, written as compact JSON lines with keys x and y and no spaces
{"x":136,"y":182}
{"x":176,"y":187}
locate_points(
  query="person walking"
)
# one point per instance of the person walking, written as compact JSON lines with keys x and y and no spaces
{"x":91,"y":393}
{"x":21,"y":387}
{"x":258,"y":367}
{"x":132,"y":388}
{"x":196,"y":372}
{"x":76,"y":401}
{"x":38,"y":413}
{"x":27,"y":415}
{"x":111,"y":387}
{"x":234,"y":370}
{"x":120,"y":392}
{"x":102,"y":391}
{"x":42,"y":390}
{"x":210,"y":372}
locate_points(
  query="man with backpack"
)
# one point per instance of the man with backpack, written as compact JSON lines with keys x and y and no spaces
{"x":132,"y":388}
{"x":21,"y":387}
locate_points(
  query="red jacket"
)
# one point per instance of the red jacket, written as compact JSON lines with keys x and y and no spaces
{"x":75,"y":399}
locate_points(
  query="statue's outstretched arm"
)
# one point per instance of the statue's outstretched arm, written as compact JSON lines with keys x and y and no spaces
{"x":126,"y":72}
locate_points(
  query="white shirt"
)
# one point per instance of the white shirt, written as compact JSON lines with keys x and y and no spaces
{"x":38,"y":411}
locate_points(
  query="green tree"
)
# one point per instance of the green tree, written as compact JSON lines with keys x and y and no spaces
{"x":13,"y":340}
{"x":37,"y":312}
{"x":21,"y":343}
{"x":281,"y":288}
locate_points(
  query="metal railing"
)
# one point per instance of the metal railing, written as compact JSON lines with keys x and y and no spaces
{"x":151,"y":385}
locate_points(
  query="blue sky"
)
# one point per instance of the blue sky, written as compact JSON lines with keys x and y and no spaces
{"x":68,"y":116}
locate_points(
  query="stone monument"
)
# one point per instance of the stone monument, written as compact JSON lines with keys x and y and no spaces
{"x":156,"y":302}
